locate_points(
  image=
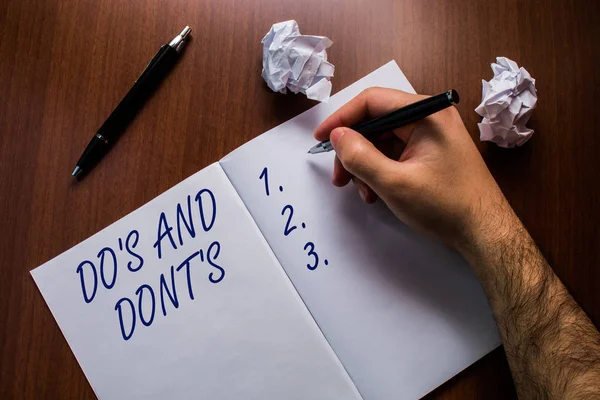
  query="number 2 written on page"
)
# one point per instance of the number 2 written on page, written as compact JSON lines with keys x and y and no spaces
{"x":290,"y":222}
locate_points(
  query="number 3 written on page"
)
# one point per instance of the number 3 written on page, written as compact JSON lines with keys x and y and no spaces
{"x":289,"y":227}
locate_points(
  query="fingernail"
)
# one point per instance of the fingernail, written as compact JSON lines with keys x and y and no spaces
{"x":335,"y":136}
{"x":362,"y":191}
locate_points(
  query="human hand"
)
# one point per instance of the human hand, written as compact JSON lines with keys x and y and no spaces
{"x":429,"y":173}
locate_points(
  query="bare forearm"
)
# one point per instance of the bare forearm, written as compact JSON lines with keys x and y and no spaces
{"x":552,"y":347}
{"x":440,"y":185}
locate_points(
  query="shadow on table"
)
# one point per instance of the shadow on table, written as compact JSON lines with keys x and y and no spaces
{"x":287,"y":106}
{"x":489,"y":378}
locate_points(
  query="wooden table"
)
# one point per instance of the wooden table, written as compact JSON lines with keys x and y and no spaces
{"x":64,"y":65}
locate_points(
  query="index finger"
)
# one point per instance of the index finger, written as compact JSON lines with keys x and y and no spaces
{"x":370,"y":103}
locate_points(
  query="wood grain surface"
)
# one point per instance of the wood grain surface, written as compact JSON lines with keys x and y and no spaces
{"x":64,"y":65}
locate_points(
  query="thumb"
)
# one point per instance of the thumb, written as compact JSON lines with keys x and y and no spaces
{"x":360,"y":157}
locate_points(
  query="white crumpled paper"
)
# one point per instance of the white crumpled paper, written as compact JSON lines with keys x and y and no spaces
{"x":508,"y":100}
{"x":296,"y":62}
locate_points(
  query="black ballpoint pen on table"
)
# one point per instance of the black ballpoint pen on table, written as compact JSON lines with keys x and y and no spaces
{"x":398,"y":118}
{"x":141,"y":90}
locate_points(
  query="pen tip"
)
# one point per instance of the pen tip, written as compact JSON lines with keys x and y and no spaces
{"x":76,"y":171}
{"x":316,"y":149}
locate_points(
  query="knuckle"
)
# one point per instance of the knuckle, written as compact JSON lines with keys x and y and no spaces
{"x":369,"y":92}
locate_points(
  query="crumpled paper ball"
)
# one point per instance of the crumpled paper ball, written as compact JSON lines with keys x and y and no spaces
{"x":507,"y":103}
{"x":296,"y":62}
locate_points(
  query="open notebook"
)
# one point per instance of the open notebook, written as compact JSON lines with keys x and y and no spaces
{"x":255,"y":278}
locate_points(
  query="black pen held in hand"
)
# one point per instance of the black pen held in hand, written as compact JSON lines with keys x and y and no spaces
{"x":144,"y":86}
{"x":403,"y":116}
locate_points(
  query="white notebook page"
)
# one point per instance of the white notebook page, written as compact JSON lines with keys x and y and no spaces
{"x":236,"y":330}
{"x":402,"y":312}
